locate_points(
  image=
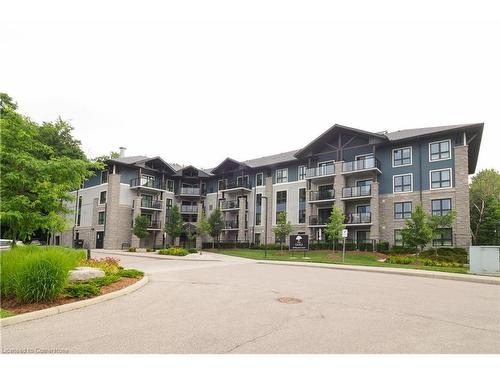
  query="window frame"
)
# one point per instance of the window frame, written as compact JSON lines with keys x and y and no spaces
{"x":99,"y":217}
{"x":169,"y":181}
{"x":219,"y":181}
{"x":299,"y":174}
{"x":298,"y":207}
{"x":402,"y":148}
{"x":440,"y":206}
{"x":402,"y":240}
{"x":257,"y":179}
{"x":440,"y":141}
{"x":403,"y":212}
{"x":105,"y":196}
{"x":104,"y":173}
{"x":276,"y":204}
{"x":440,"y":170}
{"x":394,"y":185}
{"x":276,"y":175}
{"x":441,"y":239}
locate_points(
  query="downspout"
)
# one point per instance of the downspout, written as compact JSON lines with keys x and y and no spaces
{"x":74,"y":223}
{"x":420,"y":168}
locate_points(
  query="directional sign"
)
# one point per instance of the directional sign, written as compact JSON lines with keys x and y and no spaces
{"x":344,"y":233}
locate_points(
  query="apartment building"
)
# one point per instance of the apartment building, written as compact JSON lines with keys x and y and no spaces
{"x":377,"y":179}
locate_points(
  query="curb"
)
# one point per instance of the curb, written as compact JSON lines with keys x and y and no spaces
{"x":72,"y":306}
{"x":394,"y":271}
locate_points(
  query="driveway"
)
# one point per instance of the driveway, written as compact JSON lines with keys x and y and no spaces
{"x":231,"y":305}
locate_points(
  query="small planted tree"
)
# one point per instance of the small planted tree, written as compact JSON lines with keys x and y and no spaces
{"x":283,"y":228}
{"x":335,"y":225}
{"x":202,"y":227}
{"x":141,"y":226}
{"x":215,"y":225}
{"x":173,"y":224}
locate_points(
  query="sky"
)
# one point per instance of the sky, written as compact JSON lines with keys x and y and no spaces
{"x":198,"y":81}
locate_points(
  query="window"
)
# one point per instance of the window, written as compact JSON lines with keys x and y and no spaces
{"x":441,"y":179}
{"x":302,"y":206}
{"x":401,"y":156}
{"x":402,"y":210}
{"x":104,"y":177}
{"x":222,"y":184}
{"x":363,"y":183}
{"x":443,"y":237}
{"x":102,"y":197}
{"x":258,"y":218}
{"x":441,"y":207}
{"x":403,"y":183}
{"x":280,"y":203}
{"x":79,"y":216}
{"x":440,"y":150}
{"x":398,"y":237}
{"x":100,"y":218}
{"x":259,"y":179}
{"x":326,"y":168}
{"x":169,"y":203}
{"x":282,"y":175}
{"x":258,"y":209}
{"x":170,"y":185}
{"x":302,"y":172}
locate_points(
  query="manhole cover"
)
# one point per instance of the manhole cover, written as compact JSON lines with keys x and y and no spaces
{"x":289,"y":300}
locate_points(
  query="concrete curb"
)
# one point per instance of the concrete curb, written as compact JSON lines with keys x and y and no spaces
{"x":394,"y":271}
{"x":72,"y":306}
{"x":155,"y":256}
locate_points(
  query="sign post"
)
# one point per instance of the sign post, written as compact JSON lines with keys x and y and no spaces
{"x":299,"y":242}
{"x":344,"y":236}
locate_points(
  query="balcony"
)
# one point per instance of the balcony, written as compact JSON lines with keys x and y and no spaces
{"x":187,"y":209}
{"x":326,"y":170}
{"x":230,"y":205}
{"x":316,"y":220}
{"x":190,"y":192}
{"x":357,"y":192}
{"x":147,"y":184}
{"x":231,"y":225}
{"x":235,"y":185}
{"x":322,"y":196}
{"x":151,"y":204}
{"x":154,"y":225}
{"x":361,"y":165}
{"x":362,"y":218}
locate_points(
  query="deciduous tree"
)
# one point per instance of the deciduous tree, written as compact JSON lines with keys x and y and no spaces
{"x":484,"y":193}
{"x":335,"y":225}
{"x":283,"y":228}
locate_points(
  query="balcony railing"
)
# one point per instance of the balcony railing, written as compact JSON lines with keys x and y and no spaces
{"x":194,"y":191}
{"x":362,"y":218}
{"x":186,"y":209}
{"x":154,"y":224}
{"x":325,"y":170}
{"x":234,"y":185}
{"x":356,"y":191}
{"x":322,"y":195}
{"x":151,"y":203}
{"x":229,"y":205}
{"x":147,"y":183}
{"x":231,"y":224}
{"x":360,"y":165}
{"x":318,"y":220}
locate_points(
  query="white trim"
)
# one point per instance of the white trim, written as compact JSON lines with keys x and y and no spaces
{"x":288,"y":183}
{"x":394,"y":211}
{"x":369,"y":154}
{"x":402,"y":165}
{"x":103,"y":191}
{"x":218,"y":183}
{"x":325,"y":161}
{"x":364,"y":205}
{"x":440,"y":170}
{"x":104,"y":212}
{"x":361,"y":179}
{"x":449,"y":149}
{"x":275,"y":205}
{"x":298,"y":172}
{"x":262,"y":174}
{"x":107,"y":176}
{"x":399,"y":175}
{"x":166,"y":185}
{"x":276,"y":175}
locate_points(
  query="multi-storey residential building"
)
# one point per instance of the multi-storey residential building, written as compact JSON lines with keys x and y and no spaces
{"x":377,"y":179}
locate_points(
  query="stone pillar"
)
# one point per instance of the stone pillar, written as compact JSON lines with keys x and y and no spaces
{"x":461,"y":229}
{"x":269,"y":212}
{"x":93,"y":227}
{"x":375,"y":213}
{"x":136,"y":242}
{"x":199,"y":239}
{"x":338,"y":184}
{"x":112,"y":234}
{"x":242,"y":233}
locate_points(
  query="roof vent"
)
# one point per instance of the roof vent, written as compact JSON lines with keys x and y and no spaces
{"x":122,"y":151}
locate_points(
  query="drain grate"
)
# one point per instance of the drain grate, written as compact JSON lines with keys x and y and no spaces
{"x":289,"y":300}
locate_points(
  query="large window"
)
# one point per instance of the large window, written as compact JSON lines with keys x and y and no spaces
{"x":441,"y":178}
{"x":259,"y":179}
{"x":302,"y":205}
{"x":258,"y":210}
{"x":282,"y":175}
{"x":398,"y":237}
{"x":79,"y":216}
{"x":302,"y":172}
{"x":101,"y":218}
{"x":441,"y":207}
{"x":280,"y":203}
{"x":104,"y":177}
{"x":222,"y":184}
{"x":403,"y":183}
{"x":102,"y":197}
{"x":170,"y":185}
{"x":402,"y":210}
{"x":440,"y":150}
{"x":443,"y":237}
{"x":401,"y":156}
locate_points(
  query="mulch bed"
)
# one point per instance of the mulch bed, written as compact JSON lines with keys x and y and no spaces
{"x":13,"y":306}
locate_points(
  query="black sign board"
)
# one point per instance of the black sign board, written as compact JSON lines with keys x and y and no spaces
{"x":299,"y":242}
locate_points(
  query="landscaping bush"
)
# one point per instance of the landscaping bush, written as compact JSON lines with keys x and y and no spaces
{"x":132,"y":249}
{"x":103,"y":281}
{"x":34,"y":273}
{"x":150,"y":250}
{"x":109,"y":265}
{"x":401,"y":250}
{"x":174,"y":251}
{"x":131,"y":273}
{"x":192,"y":251}
{"x":79,"y":290}
{"x":434,"y":263}
{"x":383,"y":247}
{"x":446,"y":254}
{"x":399,"y":260}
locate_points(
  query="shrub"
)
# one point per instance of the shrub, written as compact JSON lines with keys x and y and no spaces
{"x":434,"y":263}
{"x":399,"y":260}
{"x":150,"y":250}
{"x":401,"y":250}
{"x":34,"y":273}
{"x":132,"y":249}
{"x":109,"y":265}
{"x":383,"y":247}
{"x":446,"y":254}
{"x":103,"y":281}
{"x":131,"y":273}
{"x":174,"y":251}
{"x":79,"y":290}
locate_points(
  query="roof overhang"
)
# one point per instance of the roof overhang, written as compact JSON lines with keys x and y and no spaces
{"x":229,"y":164}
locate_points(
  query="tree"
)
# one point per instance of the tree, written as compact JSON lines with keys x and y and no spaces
{"x":202,"y":227}
{"x":335,"y":225}
{"x":283,"y":228}
{"x":57,"y":135}
{"x":422,"y":228}
{"x":141,"y":226}
{"x":215,"y":225}
{"x":36,"y":178}
{"x":111,"y":155}
{"x":173,"y":225}
{"x":484,"y":194}
{"x":6,"y":102}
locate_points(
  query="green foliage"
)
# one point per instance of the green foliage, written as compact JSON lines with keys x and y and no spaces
{"x":99,"y":282}
{"x":174,"y":251}
{"x":132,"y":250}
{"x":58,"y":136}
{"x":446,"y":254}
{"x":393,"y":259}
{"x":141,"y":226}
{"x":81,"y":290}
{"x":34,"y":273}
{"x":104,"y":158}
{"x":283,"y":228}
{"x":383,"y":247}
{"x":203,"y":227}
{"x":131,"y":273}
{"x":6,"y":102}
{"x":109,"y":265}
{"x":335,"y":225}
{"x":173,"y":224}
{"x":484,"y":192}
{"x":5,"y":313}
{"x":215,"y":224}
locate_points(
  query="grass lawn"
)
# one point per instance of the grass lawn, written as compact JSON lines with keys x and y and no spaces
{"x":5,"y":313}
{"x":325,"y":256}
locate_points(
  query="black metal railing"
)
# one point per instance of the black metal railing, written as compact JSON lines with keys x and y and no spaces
{"x":318,"y":220}
{"x":234,"y":185}
{"x":148,"y":183}
{"x":356,"y":191}
{"x":229,"y":205}
{"x":325,"y":170}
{"x":360,"y":165}
{"x":154,"y":224}
{"x":231,"y":224}
{"x":321,"y":195}
{"x":151,"y":203}
{"x":361,"y":218}
{"x":187,"y":209}
{"x":194,"y":191}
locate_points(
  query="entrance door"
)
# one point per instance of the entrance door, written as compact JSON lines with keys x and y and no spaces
{"x":99,"y":240}
{"x":362,"y":237}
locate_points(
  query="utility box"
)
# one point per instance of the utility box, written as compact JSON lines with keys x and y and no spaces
{"x":484,"y":259}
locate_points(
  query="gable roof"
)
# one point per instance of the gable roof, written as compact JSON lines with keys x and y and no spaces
{"x":227,"y":161}
{"x":201,"y":173}
{"x":272,"y":159}
{"x":434,"y":130}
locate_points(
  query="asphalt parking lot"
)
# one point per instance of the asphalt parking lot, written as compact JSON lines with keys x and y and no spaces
{"x":235,"y":305}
